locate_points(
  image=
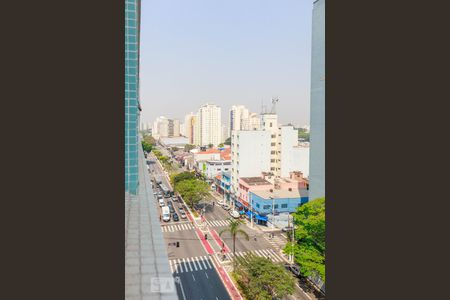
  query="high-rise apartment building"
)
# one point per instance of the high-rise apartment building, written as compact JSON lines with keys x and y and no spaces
{"x":189,"y":127}
{"x":269,"y":122}
{"x":250,"y":155}
{"x":317,"y":119}
{"x":253,"y":122}
{"x":238,"y":113}
{"x":210,"y":124}
{"x":196,"y":130}
{"x":132,"y":106}
{"x":164,"y":127}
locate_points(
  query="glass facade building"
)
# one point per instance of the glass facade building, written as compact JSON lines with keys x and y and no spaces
{"x":317,"y":137}
{"x":132,"y":107}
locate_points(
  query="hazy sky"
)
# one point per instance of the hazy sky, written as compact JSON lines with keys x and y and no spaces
{"x":225,"y":52}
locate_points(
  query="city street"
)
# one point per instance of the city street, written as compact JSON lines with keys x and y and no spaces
{"x":190,"y":261}
{"x":194,"y":270}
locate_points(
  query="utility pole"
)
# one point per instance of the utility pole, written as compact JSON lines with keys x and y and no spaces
{"x":273,"y":211}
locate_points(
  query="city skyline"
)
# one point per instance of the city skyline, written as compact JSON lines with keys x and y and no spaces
{"x":228,"y":53}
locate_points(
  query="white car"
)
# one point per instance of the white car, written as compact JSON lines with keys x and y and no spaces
{"x":161,"y":202}
{"x":234,"y":214}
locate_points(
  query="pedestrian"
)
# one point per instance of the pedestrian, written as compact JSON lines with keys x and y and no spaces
{"x":214,"y":203}
{"x":160,"y":218}
{"x":254,"y":237}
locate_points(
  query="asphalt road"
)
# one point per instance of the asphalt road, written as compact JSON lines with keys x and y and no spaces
{"x":190,"y":263}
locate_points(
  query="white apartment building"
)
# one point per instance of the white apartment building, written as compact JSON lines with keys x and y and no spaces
{"x":253,"y":122}
{"x":291,"y":157}
{"x":164,"y":127}
{"x":195,"y":130}
{"x":210,"y":124}
{"x":250,"y":155}
{"x":269,"y":122}
{"x":238,"y":113}
{"x":189,"y":127}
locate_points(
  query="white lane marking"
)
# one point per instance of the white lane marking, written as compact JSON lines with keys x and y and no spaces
{"x":276,"y":255}
{"x":180,"y":265}
{"x":267,"y":255}
{"x":171,"y":229}
{"x":203,"y":262}
{"x":230,"y":255}
{"x":189,"y":264}
{"x":185,"y":265}
{"x":199,"y":265}
{"x":193,"y":276}
{"x":209,"y":265}
{"x":171,"y":266}
{"x":183,"y":226}
{"x":206,"y":275}
{"x":257,"y":252}
{"x":193,"y":262}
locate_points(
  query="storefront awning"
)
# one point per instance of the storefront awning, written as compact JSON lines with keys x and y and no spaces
{"x":262,"y":218}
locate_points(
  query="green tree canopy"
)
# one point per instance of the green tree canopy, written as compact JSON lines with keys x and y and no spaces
{"x":188,"y":147}
{"x":210,"y":145}
{"x":220,"y":145}
{"x":261,"y":279}
{"x":146,"y":146}
{"x":309,"y":251}
{"x":228,"y":141}
{"x":176,"y":178}
{"x":192,"y":190}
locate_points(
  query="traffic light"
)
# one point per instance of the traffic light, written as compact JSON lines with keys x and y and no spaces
{"x":178,"y":244}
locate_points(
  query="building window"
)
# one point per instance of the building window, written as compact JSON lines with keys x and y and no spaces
{"x":273,"y":152}
{"x":284,"y":205}
{"x":272,"y":160}
{"x":273,"y":135}
{"x":272,"y":169}
{"x":266,"y":206}
{"x":257,"y":205}
{"x":270,"y":124}
{"x":275,"y":206}
{"x":272,"y":144}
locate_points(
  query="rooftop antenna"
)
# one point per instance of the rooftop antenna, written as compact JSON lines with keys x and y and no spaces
{"x":274,"y":104}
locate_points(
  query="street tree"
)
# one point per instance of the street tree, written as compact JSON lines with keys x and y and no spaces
{"x":192,"y":190}
{"x":234,"y":230}
{"x":146,"y":146}
{"x":176,"y":178}
{"x":188,"y":147}
{"x":260,"y":278}
{"x":210,"y":145}
{"x":228,"y":141}
{"x":309,"y":248}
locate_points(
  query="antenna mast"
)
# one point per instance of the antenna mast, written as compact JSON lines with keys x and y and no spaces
{"x":274,"y":104}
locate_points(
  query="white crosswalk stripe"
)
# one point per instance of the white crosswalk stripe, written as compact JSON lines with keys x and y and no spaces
{"x":190,"y":264}
{"x":177,"y":227}
{"x":180,"y":265}
{"x":265,"y":253}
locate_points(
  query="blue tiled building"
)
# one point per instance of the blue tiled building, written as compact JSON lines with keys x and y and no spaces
{"x":278,"y":201}
{"x":132,"y":107}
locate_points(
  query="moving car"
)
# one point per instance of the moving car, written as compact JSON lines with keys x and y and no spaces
{"x":161,"y":202}
{"x":174,"y":198}
{"x":234,"y":214}
{"x":175,"y":217}
{"x":287,"y":228}
{"x":183,"y":214}
{"x":226,"y":207}
{"x":165,"y":214}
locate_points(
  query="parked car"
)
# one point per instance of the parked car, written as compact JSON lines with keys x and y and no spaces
{"x":161,"y":202}
{"x":234,"y":214}
{"x":226,"y":207}
{"x":183,"y":214}
{"x":165,"y":214}
{"x":294,"y":269}
{"x":174,"y":198}
{"x":175,"y":217}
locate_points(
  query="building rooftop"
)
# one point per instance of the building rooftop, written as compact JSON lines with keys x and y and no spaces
{"x":252,"y":181}
{"x":145,"y":248}
{"x":284,"y":193}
